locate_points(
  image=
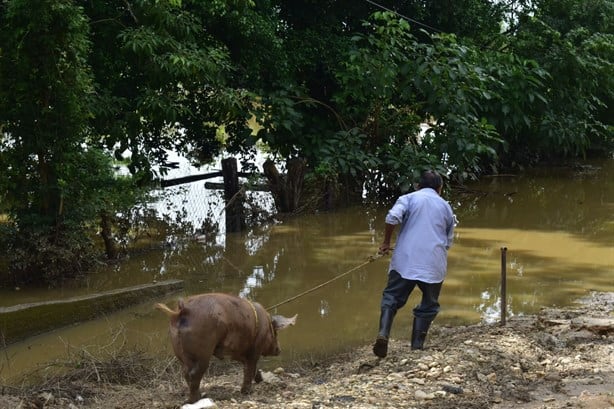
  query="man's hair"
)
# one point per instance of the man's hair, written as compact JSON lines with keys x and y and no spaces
{"x":430,"y":178}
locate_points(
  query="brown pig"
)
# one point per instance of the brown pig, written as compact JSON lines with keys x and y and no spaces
{"x":221,"y":325}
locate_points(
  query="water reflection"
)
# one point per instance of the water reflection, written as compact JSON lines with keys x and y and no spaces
{"x":254,"y":280}
{"x":558,"y":228}
{"x":490,"y":306}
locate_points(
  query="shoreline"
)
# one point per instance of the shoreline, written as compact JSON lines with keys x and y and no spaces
{"x":557,"y":358}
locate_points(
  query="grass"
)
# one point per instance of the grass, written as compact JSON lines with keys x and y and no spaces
{"x":87,"y":371}
{"x":83,"y":370}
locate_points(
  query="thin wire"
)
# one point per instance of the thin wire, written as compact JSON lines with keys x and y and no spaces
{"x":405,"y":17}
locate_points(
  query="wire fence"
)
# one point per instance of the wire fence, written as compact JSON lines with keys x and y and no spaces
{"x":190,"y":209}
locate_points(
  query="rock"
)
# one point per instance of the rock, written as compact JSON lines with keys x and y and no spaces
{"x":46,"y":396}
{"x":599,"y":326}
{"x":452,"y":389}
{"x":434,"y":373}
{"x":420,"y":395}
{"x":201,"y":404}
{"x":270,"y":378}
{"x":552,"y":376}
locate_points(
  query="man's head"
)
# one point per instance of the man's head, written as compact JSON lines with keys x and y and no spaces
{"x":432,"y":179}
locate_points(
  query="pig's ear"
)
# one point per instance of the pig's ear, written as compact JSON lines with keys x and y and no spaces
{"x":281,"y":322}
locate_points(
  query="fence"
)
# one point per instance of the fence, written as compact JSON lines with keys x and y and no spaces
{"x":234,"y":191}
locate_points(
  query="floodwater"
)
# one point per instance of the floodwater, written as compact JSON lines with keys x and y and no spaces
{"x":556,"y":224}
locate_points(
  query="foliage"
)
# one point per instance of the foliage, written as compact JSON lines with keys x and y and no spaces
{"x":40,"y":251}
{"x":157,"y":73}
{"x":391,"y":84}
{"x":171,"y":75}
{"x":573,"y":42}
{"x":365,"y":91}
{"x":54,"y":186}
{"x":45,"y":81}
{"x":450,"y":85}
{"x":475,"y":20}
{"x":368,"y":98}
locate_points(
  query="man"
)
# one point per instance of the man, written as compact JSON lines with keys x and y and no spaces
{"x":419,"y":257}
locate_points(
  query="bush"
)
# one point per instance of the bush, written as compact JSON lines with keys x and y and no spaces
{"x":39,"y":255}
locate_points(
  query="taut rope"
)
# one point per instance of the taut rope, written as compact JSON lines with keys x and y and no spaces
{"x":369,"y":260}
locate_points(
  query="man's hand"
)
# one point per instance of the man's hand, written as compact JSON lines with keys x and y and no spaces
{"x":384,"y":248}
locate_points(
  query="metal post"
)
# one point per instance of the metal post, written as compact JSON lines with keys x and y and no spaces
{"x":503,"y":285}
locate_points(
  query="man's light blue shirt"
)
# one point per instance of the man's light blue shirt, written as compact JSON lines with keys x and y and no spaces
{"x":426,"y":233}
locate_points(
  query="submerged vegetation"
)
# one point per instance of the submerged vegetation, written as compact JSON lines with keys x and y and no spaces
{"x":365,"y":98}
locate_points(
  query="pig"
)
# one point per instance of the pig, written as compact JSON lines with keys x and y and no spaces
{"x":216,"y":324}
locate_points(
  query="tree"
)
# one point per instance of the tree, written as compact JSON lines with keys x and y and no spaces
{"x":159,"y":80}
{"x":573,"y":42}
{"x":56,"y":185}
{"x":45,"y":82}
{"x":354,"y":108}
{"x":476,"y":21}
{"x":339,"y":87}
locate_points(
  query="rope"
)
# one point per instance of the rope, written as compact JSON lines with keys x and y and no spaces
{"x":251,"y":304}
{"x":369,"y":260}
{"x":232,"y":199}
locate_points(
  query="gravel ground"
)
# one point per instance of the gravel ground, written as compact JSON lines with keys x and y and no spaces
{"x":559,"y":358}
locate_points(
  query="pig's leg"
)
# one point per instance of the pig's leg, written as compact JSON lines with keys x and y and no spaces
{"x":249,"y":373}
{"x":193,"y":375}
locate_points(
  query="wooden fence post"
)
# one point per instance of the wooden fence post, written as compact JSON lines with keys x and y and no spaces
{"x":233,"y":197}
{"x":503,"y":285}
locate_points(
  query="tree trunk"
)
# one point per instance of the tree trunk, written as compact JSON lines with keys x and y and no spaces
{"x":286,"y":190}
{"x":294,"y":182}
{"x":107,"y":235}
{"x":277,"y":185}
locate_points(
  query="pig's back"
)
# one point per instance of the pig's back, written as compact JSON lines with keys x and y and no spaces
{"x":217,"y":324}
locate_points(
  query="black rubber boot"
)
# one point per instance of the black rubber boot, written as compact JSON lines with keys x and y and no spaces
{"x":419,"y":331}
{"x":380,"y":348}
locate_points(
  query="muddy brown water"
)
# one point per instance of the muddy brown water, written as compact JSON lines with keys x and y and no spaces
{"x":557,"y":225}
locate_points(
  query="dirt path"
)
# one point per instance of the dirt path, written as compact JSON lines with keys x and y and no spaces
{"x":555,"y":359}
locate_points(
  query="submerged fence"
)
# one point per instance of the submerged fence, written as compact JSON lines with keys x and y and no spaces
{"x":233,"y":189}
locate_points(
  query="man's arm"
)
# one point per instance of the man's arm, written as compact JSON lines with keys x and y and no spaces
{"x":385,"y":247}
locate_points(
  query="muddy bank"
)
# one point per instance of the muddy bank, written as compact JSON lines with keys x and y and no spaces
{"x":558,"y":358}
